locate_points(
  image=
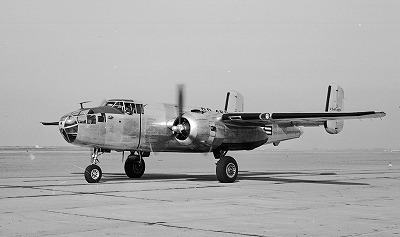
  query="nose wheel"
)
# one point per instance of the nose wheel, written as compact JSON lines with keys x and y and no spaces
{"x":93,"y":172}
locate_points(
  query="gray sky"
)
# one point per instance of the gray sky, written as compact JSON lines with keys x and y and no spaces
{"x":281,"y":55}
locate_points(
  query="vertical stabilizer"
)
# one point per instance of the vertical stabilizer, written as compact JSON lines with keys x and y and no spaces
{"x":234,"y":102}
{"x":334,"y":103}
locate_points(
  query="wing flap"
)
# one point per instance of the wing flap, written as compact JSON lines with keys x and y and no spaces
{"x":297,"y":119}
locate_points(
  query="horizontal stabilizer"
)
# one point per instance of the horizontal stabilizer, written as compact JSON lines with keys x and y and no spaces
{"x":332,"y":119}
{"x":297,"y":119}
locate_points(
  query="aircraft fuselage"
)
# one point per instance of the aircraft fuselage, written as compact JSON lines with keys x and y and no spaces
{"x":132,"y":126}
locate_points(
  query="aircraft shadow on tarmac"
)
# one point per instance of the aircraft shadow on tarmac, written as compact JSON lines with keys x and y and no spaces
{"x":243,"y":175}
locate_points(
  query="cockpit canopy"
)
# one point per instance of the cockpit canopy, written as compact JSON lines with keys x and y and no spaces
{"x":125,"y":106}
{"x":88,"y":115}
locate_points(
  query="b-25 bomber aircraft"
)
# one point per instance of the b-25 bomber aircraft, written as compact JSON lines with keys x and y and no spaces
{"x":140,"y":128}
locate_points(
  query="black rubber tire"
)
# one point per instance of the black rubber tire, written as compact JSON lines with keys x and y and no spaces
{"x":227,"y":170}
{"x":93,"y":173}
{"x":134,"y":167}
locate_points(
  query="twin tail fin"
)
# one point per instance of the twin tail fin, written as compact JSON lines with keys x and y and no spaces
{"x":334,"y":103}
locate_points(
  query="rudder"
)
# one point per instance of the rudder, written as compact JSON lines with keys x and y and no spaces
{"x":334,"y":103}
{"x":234,"y":102}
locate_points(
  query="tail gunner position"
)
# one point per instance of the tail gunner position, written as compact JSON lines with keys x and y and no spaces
{"x":130,"y":125}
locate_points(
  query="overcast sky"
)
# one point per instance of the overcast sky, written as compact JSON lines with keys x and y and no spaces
{"x":281,"y":55}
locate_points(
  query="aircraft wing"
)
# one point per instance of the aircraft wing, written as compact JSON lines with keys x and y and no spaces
{"x":297,"y":119}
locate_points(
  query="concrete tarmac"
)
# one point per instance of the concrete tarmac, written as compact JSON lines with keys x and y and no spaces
{"x":278,"y":193}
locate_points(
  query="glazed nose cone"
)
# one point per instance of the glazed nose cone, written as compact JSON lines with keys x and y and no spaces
{"x":68,"y":128}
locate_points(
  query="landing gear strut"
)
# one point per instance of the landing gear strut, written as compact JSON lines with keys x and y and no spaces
{"x":227,"y":168}
{"x":93,"y":172}
{"x":134,"y":165}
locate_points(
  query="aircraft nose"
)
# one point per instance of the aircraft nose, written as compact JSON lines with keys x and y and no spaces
{"x":68,"y":128}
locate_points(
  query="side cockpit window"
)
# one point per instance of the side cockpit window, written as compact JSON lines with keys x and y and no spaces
{"x":101,"y":118}
{"x":131,"y":108}
{"x":139,"y":109}
{"x":91,"y":119}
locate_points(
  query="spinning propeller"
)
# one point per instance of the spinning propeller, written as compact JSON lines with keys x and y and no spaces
{"x":181,"y":126}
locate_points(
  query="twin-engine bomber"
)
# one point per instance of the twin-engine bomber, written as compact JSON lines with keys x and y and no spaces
{"x":130,"y":125}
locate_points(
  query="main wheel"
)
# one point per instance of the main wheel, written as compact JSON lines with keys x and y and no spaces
{"x":93,"y":174}
{"x":227,"y":170}
{"x":134,"y":167}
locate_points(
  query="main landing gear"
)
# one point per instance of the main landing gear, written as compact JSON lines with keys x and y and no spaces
{"x":227,"y":168}
{"x":134,"y":165}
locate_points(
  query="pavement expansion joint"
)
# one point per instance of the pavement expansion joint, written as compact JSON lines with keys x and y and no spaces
{"x":160,"y":223}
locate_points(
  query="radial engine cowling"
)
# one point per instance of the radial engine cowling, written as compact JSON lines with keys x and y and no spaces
{"x":194,"y":130}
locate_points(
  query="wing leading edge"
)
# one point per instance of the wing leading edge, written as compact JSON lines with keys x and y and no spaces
{"x":294,"y":119}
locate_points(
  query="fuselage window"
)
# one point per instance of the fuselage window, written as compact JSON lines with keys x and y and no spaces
{"x":134,"y":108}
{"x":81,"y":119}
{"x":128,"y":108}
{"x":131,"y":108}
{"x":139,"y":109}
{"x":101,"y":119}
{"x":91,"y":119}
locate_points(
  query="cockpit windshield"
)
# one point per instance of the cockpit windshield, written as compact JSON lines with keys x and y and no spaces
{"x":126,"y":106}
{"x":115,"y":104}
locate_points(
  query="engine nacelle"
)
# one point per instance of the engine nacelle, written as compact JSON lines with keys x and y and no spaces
{"x":198,"y":131}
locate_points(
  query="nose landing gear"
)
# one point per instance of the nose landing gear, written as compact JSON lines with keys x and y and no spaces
{"x":93,"y":172}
